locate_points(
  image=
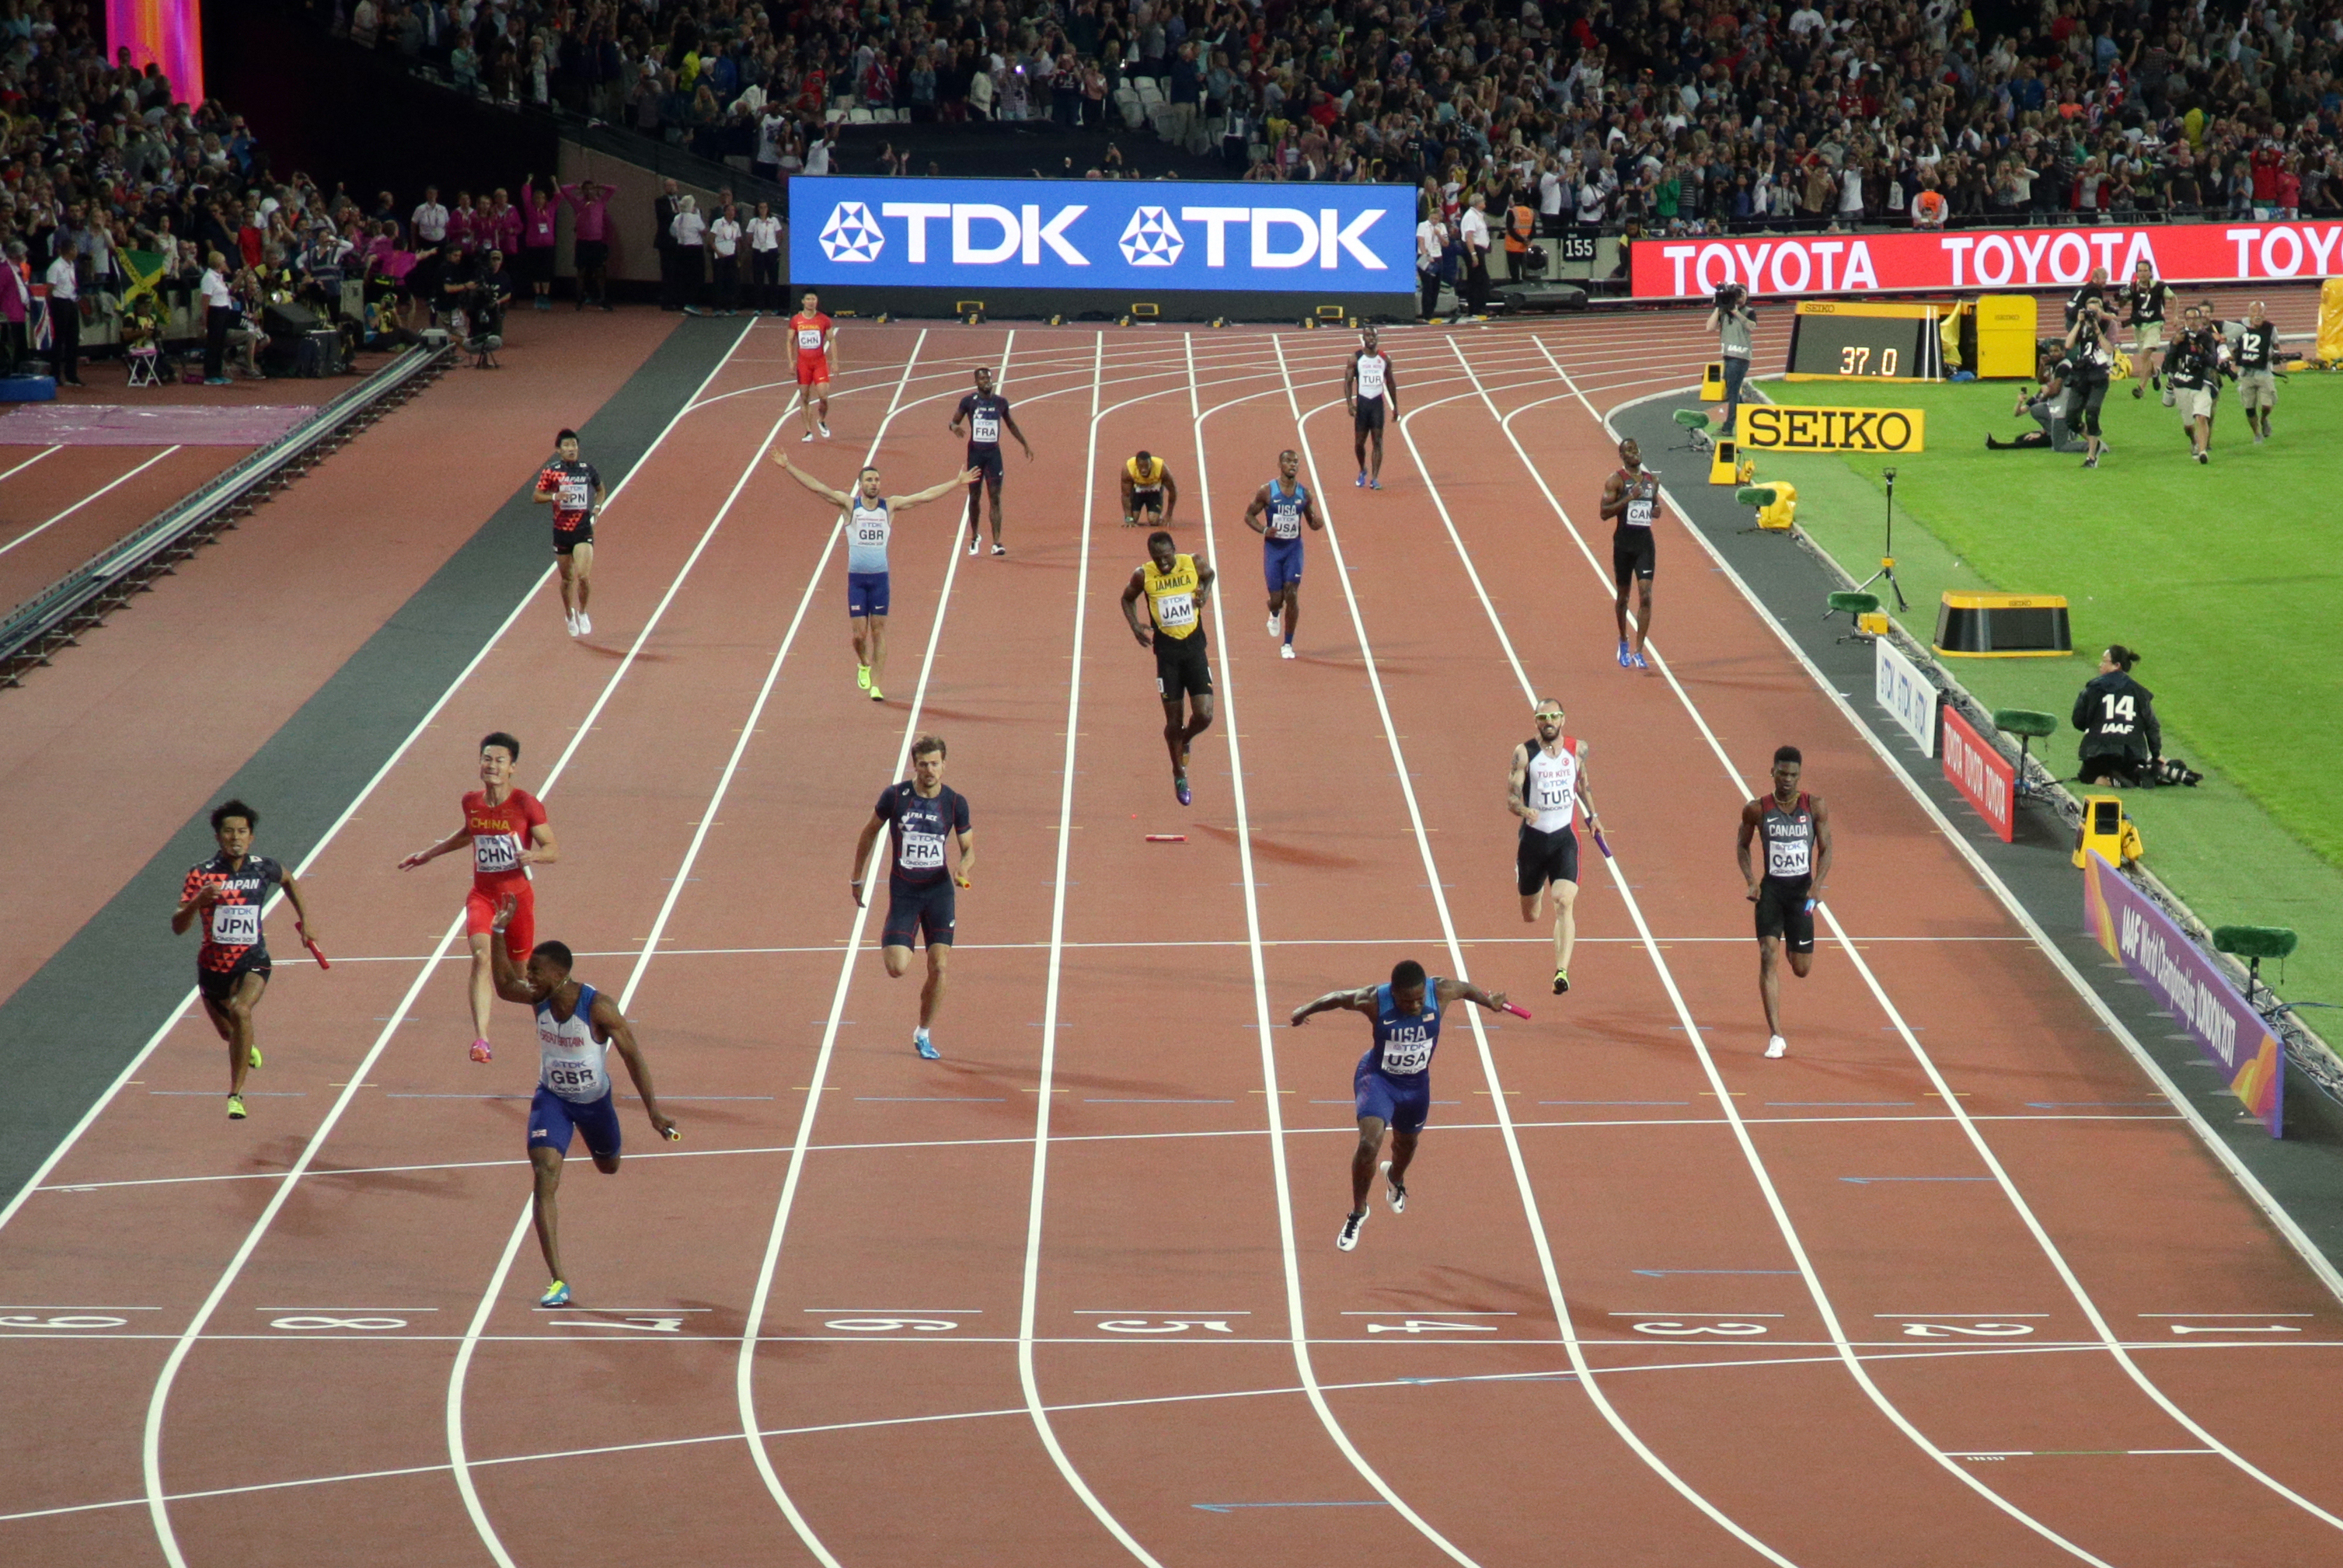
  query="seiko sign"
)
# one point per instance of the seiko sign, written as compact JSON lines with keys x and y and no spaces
{"x":1118,"y":235}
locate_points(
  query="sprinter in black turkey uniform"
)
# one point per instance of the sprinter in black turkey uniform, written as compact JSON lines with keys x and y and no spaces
{"x":983,"y":414}
{"x":1371,"y":389}
{"x":1795,"y":830}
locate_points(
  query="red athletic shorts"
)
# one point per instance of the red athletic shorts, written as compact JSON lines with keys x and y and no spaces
{"x":813,"y":369}
{"x":480,"y":913}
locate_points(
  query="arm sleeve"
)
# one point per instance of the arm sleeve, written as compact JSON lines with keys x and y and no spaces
{"x":535,"y":811}
{"x":193,"y":885}
{"x":966,"y":405}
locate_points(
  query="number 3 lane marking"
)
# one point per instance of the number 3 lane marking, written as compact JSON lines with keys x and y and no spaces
{"x":1669,"y":1326}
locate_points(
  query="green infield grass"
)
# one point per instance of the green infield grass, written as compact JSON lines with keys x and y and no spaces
{"x":2226,"y":575}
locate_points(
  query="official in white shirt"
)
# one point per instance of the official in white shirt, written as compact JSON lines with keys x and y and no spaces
{"x":724,"y":251}
{"x":765,"y":260}
{"x":689,"y":231}
{"x":219,"y":314}
{"x":430,"y":220}
{"x":65,"y":315}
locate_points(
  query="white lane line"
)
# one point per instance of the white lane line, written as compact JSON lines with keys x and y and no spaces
{"x":1977,"y":1141}
{"x":44,"y":452}
{"x":123,"y":479}
{"x":461,"y":1369}
{"x":152,"y":1443}
{"x":1031,"y":1286}
{"x":745,"y":1369}
{"x":430,"y":716}
{"x":1296,"y":1318}
{"x":1749,"y":1146}
{"x":658,"y":1444}
{"x":1527,"y":1192}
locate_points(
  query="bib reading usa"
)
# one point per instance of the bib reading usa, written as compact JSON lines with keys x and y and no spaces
{"x":1986,"y":258}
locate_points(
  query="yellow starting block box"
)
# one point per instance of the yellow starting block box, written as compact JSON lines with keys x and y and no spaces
{"x":1727,"y":466}
{"x":1712,"y":381}
{"x":2106,"y":829}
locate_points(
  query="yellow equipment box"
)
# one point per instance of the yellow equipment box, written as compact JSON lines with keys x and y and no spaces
{"x":2007,"y":324}
{"x":2105,"y":828}
{"x":2003,"y":626}
{"x":1712,"y":381}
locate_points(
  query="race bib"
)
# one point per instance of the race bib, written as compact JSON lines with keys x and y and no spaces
{"x":1175,"y":609}
{"x":1639,"y":513}
{"x":1785,"y":858}
{"x":1285,"y":524}
{"x":235,"y":925}
{"x":987,"y":428}
{"x":871,"y":532}
{"x":495,"y":853}
{"x":574,"y":496}
{"x":922,"y":851}
{"x":809,"y":339}
{"x":559,"y":1076}
{"x":1407,"y":1055}
{"x":1552,"y":792}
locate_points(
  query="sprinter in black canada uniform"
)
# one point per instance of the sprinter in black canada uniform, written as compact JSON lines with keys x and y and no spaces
{"x":1796,"y":829}
{"x":983,"y":414}
{"x":227,"y":893}
{"x":1631,"y":500}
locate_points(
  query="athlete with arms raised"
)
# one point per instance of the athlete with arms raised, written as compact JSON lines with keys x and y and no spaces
{"x":1796,"y":829}
{"x":1393,"y":1084}
{"x":1371,"y":388}
{"x":1544,"y":789}
{"x":1631,"y":500}
{"x":576,"y":1028}
{"x":1279,"y":512}
{"x":870,"y":524}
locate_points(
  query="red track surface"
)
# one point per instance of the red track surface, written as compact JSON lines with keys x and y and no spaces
{"x":1045,"y":1300}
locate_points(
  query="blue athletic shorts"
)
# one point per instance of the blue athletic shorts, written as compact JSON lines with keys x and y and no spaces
{"x":1402,"y":1103}
{"x":913,"y":910}
{"x":551,"y":1120}
{"x":1281,"y":564}
{"x":866,"y":594}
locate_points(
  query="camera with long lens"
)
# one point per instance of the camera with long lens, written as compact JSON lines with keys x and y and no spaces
{"x":1728,"y":297}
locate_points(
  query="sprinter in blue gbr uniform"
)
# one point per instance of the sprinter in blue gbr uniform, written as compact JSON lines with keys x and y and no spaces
{"x":1393,"y":1080}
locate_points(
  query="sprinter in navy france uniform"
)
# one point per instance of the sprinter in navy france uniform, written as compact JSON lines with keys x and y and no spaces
{"x":1393,"y":1080}
{"x":922,"y":895}
{"x":982,"y":415}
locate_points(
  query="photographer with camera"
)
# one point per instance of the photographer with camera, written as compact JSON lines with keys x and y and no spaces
{"x":1730,"y":317}
{"x":2090,"y":360}
{"x":2122,"y":742}
{"x":2046,"y":405}
{"x":2192,"y":376}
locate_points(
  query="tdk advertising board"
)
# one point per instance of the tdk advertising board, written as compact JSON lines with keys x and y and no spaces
{"x":1129,"y":237}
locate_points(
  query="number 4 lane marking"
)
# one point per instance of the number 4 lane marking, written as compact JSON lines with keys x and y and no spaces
{"x":1430,"y":1326}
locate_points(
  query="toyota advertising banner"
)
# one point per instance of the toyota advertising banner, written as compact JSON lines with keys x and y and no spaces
{"x":1942,"y":261}
{"x":1131,"y":239}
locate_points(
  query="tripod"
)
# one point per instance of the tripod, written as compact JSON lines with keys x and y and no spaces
{"x":1888,"y":556}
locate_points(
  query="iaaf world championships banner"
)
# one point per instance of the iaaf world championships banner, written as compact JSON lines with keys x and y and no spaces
{"x":1134,"y":237}
{"x":1936,"y":261}
{"x":2182,"y":979}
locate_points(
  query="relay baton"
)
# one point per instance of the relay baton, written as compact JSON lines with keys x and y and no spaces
{"x":314,"y":950}
{"x":1517,"y":1011}
{"x":1598,"y":840}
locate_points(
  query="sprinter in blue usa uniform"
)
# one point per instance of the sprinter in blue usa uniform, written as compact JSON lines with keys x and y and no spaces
{"x":1393,"y":1080}
{"x":1280,"y":511}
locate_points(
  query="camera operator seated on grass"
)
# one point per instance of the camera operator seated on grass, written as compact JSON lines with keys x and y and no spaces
{"x":2122,"y":742}
{"x":2047,"y":406}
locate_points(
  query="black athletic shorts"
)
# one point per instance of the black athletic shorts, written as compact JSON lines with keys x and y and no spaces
{"x":568,"y":539}
{"x":985,"y":459}
{"x":1633,"y":555}
{"x":1369,"y":416}
{"x":1183,"y":667}
{"x":930,"y":910}
{"x":1143,"y":501}
{"x":1544,"y":858}
{"x":219,"y":985}
{"x":1782,"y":912}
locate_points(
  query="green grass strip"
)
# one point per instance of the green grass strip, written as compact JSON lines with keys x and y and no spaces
{"x":2225,"y":575}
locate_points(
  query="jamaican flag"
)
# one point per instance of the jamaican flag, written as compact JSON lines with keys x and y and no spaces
{"x":145,"y":270}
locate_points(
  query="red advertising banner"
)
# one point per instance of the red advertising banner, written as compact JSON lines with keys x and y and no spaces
{"x":1938,"y":261}
{"x":1983,"y":776}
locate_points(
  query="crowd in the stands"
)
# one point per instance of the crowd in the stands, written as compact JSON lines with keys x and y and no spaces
{"x":1670,"y":115}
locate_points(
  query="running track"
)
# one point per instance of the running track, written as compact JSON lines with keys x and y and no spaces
{"x":1951,"y":1284}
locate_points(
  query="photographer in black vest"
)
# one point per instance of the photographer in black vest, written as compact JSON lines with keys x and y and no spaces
{"x":2090,"y":357}
{"x":2122,"y":742}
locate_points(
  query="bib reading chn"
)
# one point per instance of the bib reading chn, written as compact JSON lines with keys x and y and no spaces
{"x":494,"y":854}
